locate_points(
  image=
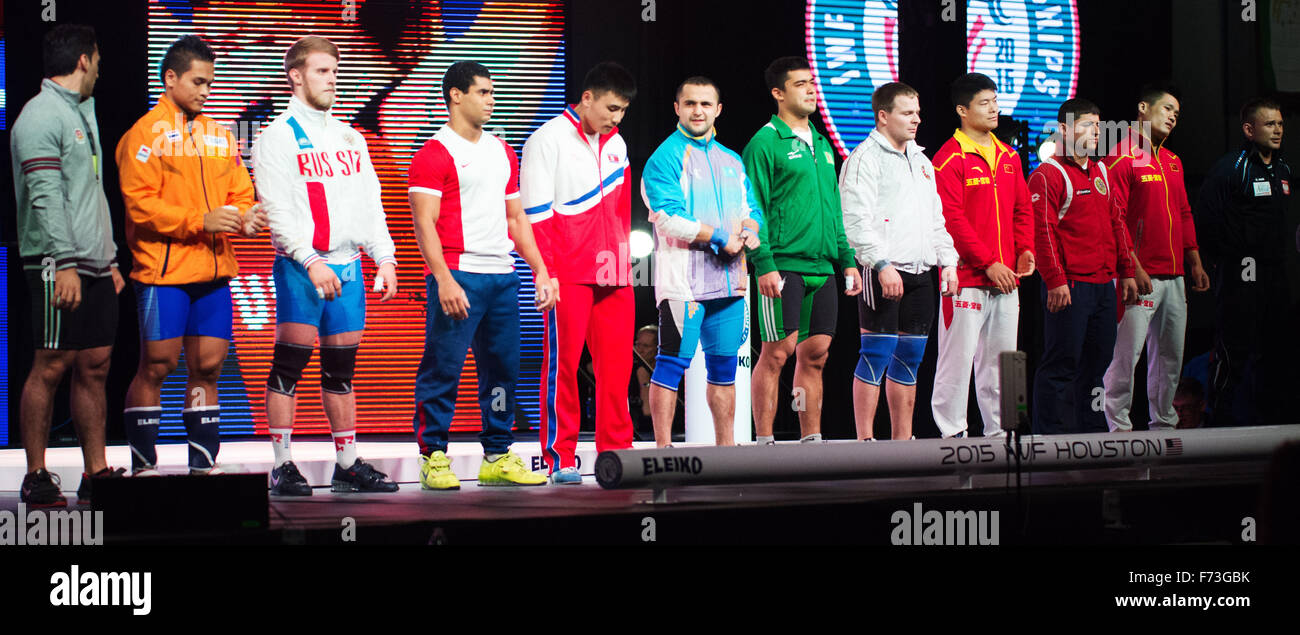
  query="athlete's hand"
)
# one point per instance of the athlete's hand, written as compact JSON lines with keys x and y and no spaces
{"x":545,"y":293}
{"x":1058,"y":298}
{"x":949,"y":275}
{"x":1025,"y":264}
{"x":255,"y":220}
{"x":452,"y":298}
{"x":891,"y":284}
{"x":735,"y":243}
{"x":1002,"y":277}
{"x":1143,"y":282}
{"x":326,"y":282}
{"x":853,"y":282}
{"x":555,"y":288}
{"x":1200,"y":281}
{"x":749,"y":231}
{"x":387,"y":276}
{"x":1128,"y":289}
{"x":769,"y":284}
{"x":118,"y":282}
{"x":67,"y":289}
{"x":223,"y":219}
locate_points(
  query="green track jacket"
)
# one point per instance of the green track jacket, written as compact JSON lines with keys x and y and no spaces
{"x":797,"y":189}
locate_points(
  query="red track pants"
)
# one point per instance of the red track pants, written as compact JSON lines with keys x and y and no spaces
{"x":603,"y":317}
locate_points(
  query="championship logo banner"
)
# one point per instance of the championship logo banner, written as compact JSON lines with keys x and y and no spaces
{"x":853,"y":49}
{"x":1030,"y":48}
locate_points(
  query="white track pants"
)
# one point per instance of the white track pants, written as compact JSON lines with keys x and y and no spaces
{"x":1160,"y":321}
{"x":974,"y":327}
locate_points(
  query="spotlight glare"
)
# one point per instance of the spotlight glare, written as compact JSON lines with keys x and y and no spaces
{"x":1047,"y":150}
{"x":641,"y":244}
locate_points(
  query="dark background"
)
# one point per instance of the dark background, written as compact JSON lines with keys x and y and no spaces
{"x":1202,"y":45}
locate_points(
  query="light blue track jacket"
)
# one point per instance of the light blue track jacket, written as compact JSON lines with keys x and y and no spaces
{"x":688,"y":181}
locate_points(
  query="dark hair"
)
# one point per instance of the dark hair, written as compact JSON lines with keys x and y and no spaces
{"x":461,"y":76}
{"x":1256,"y":104}
{"x":1076,"y":108}
{"x":181,"y":54}
{"x":64,"y":46}
{"x":609,"y":77}
{"x":966,"y":87}
{"x":1153,"y":91}
{"x":698,"y":80}
{"x":779,"y":70}
{"x":883,"y":98}
{"x":1189,"y":387}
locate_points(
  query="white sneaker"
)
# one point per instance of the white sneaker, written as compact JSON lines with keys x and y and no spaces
{"x":566,"y":476}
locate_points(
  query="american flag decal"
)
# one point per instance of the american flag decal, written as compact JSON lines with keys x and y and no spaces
{"x":1173,"y":447}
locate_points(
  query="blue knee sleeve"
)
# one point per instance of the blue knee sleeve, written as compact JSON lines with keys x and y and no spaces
{"x":720,"y":370}
{"x":668,"y":371}
{"x":873,"y":357}
{"x":907,"y":359}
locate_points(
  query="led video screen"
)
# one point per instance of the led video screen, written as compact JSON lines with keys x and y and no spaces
{"x":393,"y":57}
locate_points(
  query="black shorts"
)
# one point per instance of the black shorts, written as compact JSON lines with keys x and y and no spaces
{"x":807,"y":306}
{"x":911,"y":314}
{"x":92,"y":325}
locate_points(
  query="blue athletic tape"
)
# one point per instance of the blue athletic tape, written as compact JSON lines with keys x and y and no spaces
{"x":719,"y":239}
{"x":668,"y":371}
{"x":873,"y":356}
{"x":907,"y":359}
{"x":720,"y":370}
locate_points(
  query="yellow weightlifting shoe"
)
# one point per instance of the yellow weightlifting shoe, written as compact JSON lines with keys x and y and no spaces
{"x":435,"y":472}
{"x":508,"y":470}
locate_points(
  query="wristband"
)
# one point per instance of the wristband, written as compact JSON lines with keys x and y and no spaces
{"x":880,"y":265}
{"x":718,"y":240}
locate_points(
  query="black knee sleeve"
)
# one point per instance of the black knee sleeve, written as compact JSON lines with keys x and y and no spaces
{"x":337,"y":366}
{"x":286,"y":367}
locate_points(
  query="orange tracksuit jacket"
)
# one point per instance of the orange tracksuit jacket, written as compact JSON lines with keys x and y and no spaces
{"x":173,"y":172}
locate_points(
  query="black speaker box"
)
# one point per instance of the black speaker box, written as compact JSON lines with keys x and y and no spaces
{"x":161,"y":507}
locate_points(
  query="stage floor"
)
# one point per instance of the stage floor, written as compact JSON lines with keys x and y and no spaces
{"x":315,"y":459}
{"x":1202,"y":502}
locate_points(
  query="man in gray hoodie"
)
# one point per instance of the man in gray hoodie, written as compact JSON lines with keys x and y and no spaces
{"x":69,"y":259}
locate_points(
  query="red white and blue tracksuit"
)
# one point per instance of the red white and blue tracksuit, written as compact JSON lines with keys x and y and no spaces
{"x":574,"y":187}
